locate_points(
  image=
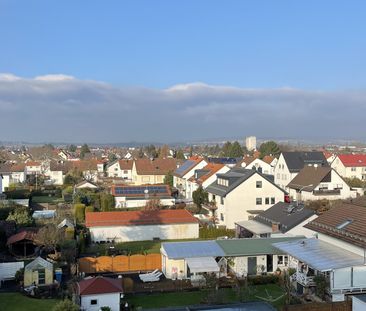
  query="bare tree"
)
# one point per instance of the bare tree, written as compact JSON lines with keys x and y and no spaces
{"x":50,"y":237}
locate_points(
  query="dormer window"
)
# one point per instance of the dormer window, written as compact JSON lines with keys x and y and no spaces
{"x":223,"y":182}
{"x":344,"y":224}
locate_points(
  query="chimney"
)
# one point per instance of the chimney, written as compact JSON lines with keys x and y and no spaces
{"x":275,"y":227}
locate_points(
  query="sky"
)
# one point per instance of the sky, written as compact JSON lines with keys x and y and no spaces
{"x":168,"y":71}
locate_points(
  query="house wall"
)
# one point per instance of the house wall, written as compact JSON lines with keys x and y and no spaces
{"x":104,"y":300}
{"x":33,"y":169}
{"x":174,"y":268}
{"x":56,"y":177}
{"x":234,"y":206}
{"x":115,"y":170}
{"x":347,"y":171}
{"x":300,"y":230}
{"x":31,"y":276}
{"x":17,"y":177}
{"x":121,"y":202}
{"x":143,"y":233}
{"x":258,"y":163}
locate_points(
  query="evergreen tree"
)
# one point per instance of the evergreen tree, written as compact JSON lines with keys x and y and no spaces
{"x":269,"y":148}
{"x":200,"y":197}
{"x":84,"y":150}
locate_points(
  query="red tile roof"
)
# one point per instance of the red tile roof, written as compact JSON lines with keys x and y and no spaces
{"x":133,"y":218}
{"x":100,"y":285}
{"x":155,"y":167}
{"x":268,"y":159}
{"x":353,"y":159}
{"x":24,"y":235}
{"x":125,"y":164}
{"x":212,"y":169}
{"x":32,"y":163}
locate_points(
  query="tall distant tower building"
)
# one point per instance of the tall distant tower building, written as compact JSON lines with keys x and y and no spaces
{"x":251,"y":143}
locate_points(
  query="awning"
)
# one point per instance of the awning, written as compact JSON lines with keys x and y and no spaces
{"x":254,"y":226}
{"x":202,"y":264}
{"x":320,"y":255}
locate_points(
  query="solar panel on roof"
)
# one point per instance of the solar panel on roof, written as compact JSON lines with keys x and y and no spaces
{"x":185,"y":166}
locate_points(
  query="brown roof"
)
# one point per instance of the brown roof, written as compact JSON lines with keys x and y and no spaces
{"x":32,"y":163}
{"x":155,"y":167}
{"x":329,"y":222}
{"x":9,"y":168}
{"x":133,"y":218}
{"x":268,"y":159}
{"x":212,"y":169}
{"x":125,"y":164}
{"x":24,"y":235}
{"x":310,"y":175}
{"x":100,"y":285}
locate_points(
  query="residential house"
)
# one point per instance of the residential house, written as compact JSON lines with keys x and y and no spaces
{"x":38,"y":272}
{"x":290,"y":164}
{"x":139,"y":196}
{"x":315,"y":182}
{"x":85,"y":184}
{"x":121,"y":169}
{"x":350,"y":165}
{"x":189,"y":260}
{"x":12,"y":174}
{"x":204,"y":177}
{"x":280,"y":219}
{"x":97,"y":292}
{"x":265,"y":165}
{"x":227,"y":161}
{"x":184,"y":172}
{"x":152,"y":171}
{"x":240,"y":194}
{"x":91,"y":169}
{"x":337,"y":253}
{"x":55,"y":173}
{"x":141,"y":225}
{"x":33,"y":168}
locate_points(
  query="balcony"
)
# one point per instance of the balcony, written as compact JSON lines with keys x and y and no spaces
{"x":303,"y":279}
{"x":327,"y":192}
{"x":211,"y":206}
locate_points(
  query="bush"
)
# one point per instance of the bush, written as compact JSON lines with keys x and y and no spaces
{"x":89,"y":209}
{"x":17,"y":194}
{"x":79,"y":212}
{"x":66,"y":305}
{"x":128,"y":284}
{"x":69,"y":233}
{"x":263,"y":279}
{"x":213,"y":233}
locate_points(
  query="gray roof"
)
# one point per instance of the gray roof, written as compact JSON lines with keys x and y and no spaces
{"x":296,"y":160}
{"x":236,"y":177}
{"x":285,"y":214}
{"x":320,"y":255}
{"x":39,"y":262}
{"x":179,"y":250}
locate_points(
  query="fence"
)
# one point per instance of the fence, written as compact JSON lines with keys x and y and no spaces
{"x":120,"y":264}
{"x":334,"y":306}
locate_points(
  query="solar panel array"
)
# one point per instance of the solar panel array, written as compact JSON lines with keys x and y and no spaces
{"x":138,"y":190}
{"x":185,"y":166}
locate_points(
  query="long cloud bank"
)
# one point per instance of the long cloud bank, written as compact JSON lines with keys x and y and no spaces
{"x":63,"y":108}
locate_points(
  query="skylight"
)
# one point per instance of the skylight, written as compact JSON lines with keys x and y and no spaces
{"x":344,"y":224}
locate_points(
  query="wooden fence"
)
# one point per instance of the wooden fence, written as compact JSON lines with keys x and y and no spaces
{"x":120,"y":264}
{"x":334,"y":306}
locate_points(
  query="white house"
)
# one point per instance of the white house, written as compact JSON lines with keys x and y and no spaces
{"x":260,"y":165}
{"x":141,"y":225}
{"x":97,"y":292}
{"x":186,"y":171}
{"x":121,"y":169}
{"x":204,"y":177}
{"x":290,"y":164}
{"x":12,"y":174}
{"x":315,"y":183}
{"x":32,"y":167}
{"x":337,"y":252}
{"x":240,"y":194}
{"x":350,"y":165}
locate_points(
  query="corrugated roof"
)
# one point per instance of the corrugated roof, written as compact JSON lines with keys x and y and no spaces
{"x":180,"y":250}
{"x":320,"y":255}
{"x":253,"y":247}
{"x":39,"y":262}
{"x":138,"y":218}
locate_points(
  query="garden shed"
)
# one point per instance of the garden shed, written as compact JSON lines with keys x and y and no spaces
{"x":38,"y":272}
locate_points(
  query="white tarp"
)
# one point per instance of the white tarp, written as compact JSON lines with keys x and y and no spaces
{"x":8,"y":269}
{"x":202,"y":264}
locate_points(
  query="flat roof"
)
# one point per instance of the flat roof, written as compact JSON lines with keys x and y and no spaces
{"x":182,"y":250}
{"x":254,"y":226}
{"x":320,"y":255}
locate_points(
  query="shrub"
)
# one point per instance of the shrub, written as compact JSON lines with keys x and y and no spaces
{"x":128,"y":284}
{"x":65,"y":305}
{"x":69,"y":233}
{"x":89,"y":209}
{"x":79,"y":212}
{"x":213,"y":233}
{"x":263,"y":279}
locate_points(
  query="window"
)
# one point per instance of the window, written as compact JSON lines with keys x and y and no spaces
{"x":278,"y":176}
{"x":273,"y":201}
{"x":284,"y":176}
{"x":353,"y":169}
{"x":282,"y":260}
{"x":116,"y":169}
{"x":267,"y":200}
{"x":323,"y":187}
{"x":41,"y":276}
{"x":93,"y":302}
{"x":213,"y":197}
{"x":222,"y":200}
{"x":258,"y":184}
{"x":125,"y":172}
{"x":222,"y":216}
{"x":258,"y":201}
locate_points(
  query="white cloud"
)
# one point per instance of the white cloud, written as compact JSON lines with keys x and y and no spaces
{"x":63,"y":108}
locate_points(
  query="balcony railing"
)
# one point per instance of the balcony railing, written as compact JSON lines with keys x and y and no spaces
{"x":327,"y":192}
{"x":210,"y":206}
{"x":303,"y":279}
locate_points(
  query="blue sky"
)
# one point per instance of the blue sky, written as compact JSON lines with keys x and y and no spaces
{"x":168,"y":71}
{"x":261,"y":44}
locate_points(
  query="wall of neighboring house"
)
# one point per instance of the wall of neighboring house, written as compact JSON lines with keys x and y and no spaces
{"x":234,"y":207}
{"x":103,"y":300}
{"x":258,"y":163}
{"x":56,"y":177}
{"x":31,"y":276}
{"x":115,"y":170}
{"x":33,"y":169}
{"x":122,"y":202}
{"x":282,"y":175}
{"x":144,"y":233}
{"x":300,"y":230}
{"x":17,"y":177}
{"x":342,"y":244}
{"x":147,"y":179}
{"x":4,"y":182}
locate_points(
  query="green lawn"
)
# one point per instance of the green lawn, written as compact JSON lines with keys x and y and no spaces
{"x":18,"y":302}
{"x":270,"y":293}
{"x":47,"y":199}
